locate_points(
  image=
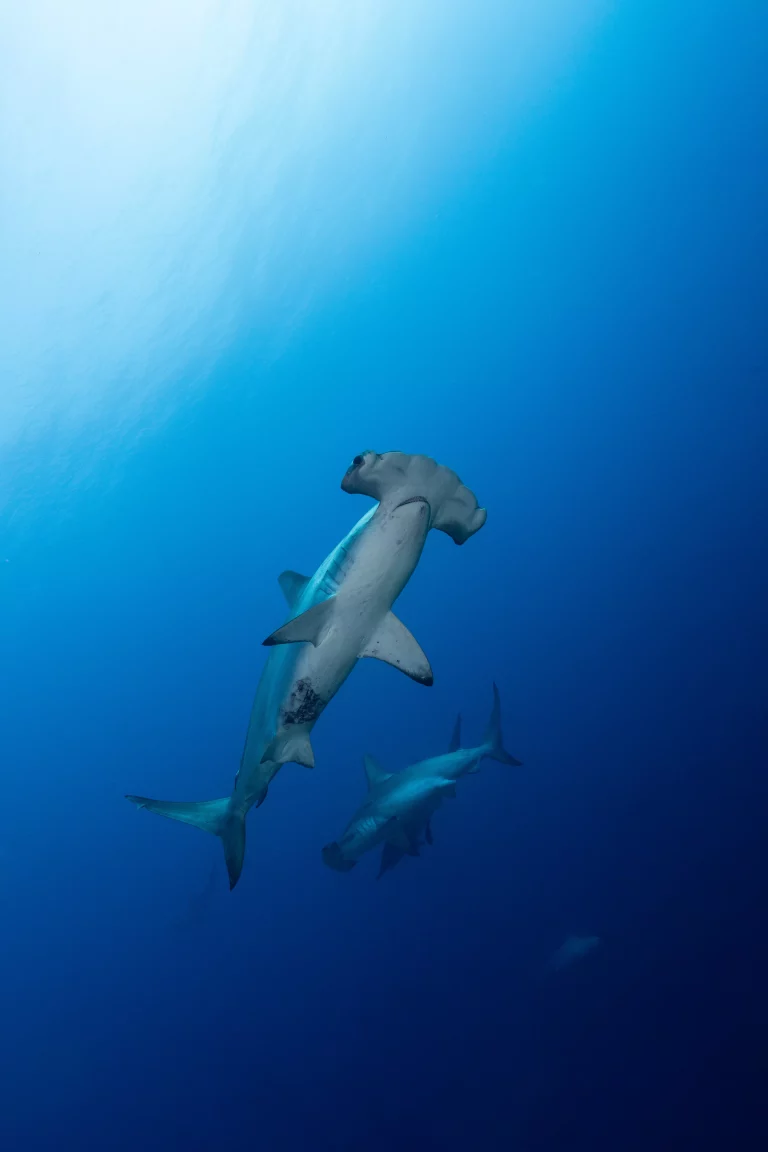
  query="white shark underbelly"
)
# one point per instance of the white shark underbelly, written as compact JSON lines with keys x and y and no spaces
{"x":339,"y":628}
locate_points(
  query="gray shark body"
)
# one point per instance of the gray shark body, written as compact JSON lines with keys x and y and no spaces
{"x":337,"y":616}
{"x":399,"y":806}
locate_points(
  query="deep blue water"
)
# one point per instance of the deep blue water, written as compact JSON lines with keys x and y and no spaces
{"x":531,"y":243}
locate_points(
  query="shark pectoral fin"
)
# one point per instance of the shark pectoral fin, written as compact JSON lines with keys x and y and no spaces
{"x":308,"y":628}
{"x":428,"y":832}
{"x":292,"y":584}
{"x":390,"y":856}
{"x":449,"y":791}
{"x":290,"y":746}
{"x":397,"y":835}
{"x":374,"y":773}
{"x":455,"y":743}
{"x":394,"y":644}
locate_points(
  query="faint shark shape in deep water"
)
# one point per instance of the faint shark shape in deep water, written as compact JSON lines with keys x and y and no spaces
{"x":337,"y":616}
{"x":400,"y":805}
{"x":572,"y":949}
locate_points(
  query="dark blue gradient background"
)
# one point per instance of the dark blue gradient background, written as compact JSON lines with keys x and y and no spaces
{"x":577,"y":325}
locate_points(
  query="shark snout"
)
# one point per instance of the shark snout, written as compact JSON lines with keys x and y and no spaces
{"x":357,"y":477}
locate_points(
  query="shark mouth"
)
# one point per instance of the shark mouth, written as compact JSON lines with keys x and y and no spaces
{"x":416,"y":500}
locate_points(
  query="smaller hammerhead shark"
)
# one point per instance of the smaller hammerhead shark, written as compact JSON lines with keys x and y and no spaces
{"x":400,"y":805}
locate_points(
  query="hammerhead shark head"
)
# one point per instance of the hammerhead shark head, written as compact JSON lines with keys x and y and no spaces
{"x":400,"y":805}
{"x":342,"y":613}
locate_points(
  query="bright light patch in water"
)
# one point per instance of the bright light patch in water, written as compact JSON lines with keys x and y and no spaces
{"x":175,"y":171}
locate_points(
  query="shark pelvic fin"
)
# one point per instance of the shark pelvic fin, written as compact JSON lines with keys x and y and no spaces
{"x":455,"y":743}
{"x":394,"y":644}
{"x":292,"y":584}
{"x":290,"y":746}
{"x":308,"y":628}
{"x":448,"y":791}
{"x":374,"y":773}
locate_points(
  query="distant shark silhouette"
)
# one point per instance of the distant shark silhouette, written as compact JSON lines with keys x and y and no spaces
{"x":574,"y":948}
{"x":337,"y":616}
{"x":400,"y":805}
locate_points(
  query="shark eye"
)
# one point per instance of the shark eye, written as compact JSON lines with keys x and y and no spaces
{"x":359,"y":460}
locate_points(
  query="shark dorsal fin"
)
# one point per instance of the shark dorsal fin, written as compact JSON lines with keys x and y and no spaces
{"x":374,"y":773}
{"x":292,"y":584}
{"x":455,"y":743}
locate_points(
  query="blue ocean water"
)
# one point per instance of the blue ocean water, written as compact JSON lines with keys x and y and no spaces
{"x":242,"y":242}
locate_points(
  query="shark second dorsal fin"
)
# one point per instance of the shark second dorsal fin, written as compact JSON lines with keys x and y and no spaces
{"x":292,"y":584}
{"x":309,"y":628}
{"x":394,"y":644}
{"x":455,"y":743}
{"x":374,"y":773}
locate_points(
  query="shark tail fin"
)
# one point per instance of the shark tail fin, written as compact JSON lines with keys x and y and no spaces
{"x":214,"y":816}
{"x":494,"y":741}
